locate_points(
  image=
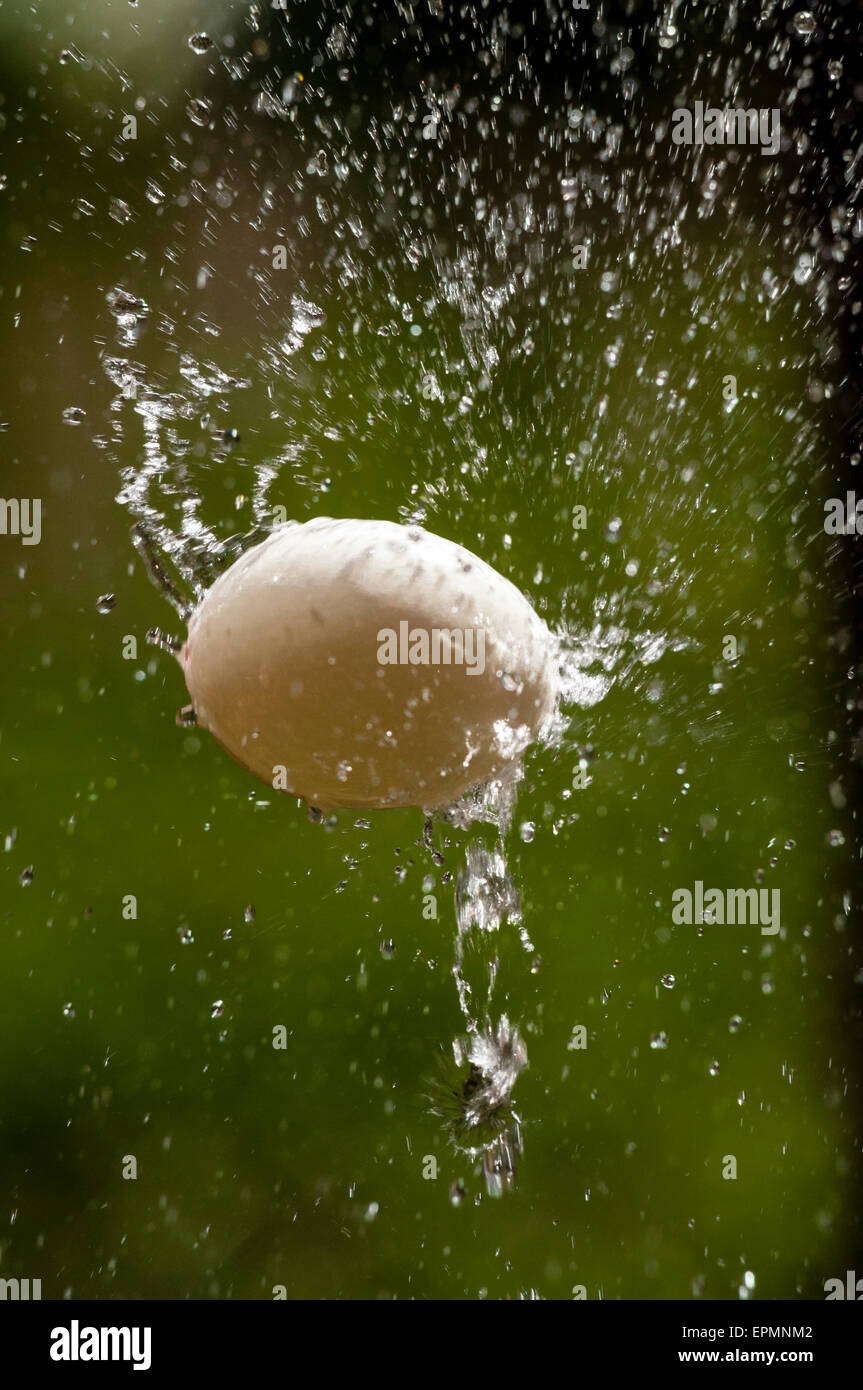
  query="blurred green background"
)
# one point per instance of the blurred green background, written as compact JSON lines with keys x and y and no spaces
{"x":552,"y":387}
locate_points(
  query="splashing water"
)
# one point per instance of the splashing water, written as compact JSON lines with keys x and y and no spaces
{"x":481,"y":301}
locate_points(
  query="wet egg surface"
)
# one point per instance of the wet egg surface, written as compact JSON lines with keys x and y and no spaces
{"x":367,"y":664}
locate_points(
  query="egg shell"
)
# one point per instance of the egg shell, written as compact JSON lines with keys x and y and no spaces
{"x":283,"y":664}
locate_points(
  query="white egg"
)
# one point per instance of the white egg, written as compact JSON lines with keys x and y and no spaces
{"x":365,"y":664}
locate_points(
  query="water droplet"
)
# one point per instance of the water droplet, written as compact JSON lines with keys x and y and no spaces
{"x":664,"y":833}
{"x":457,"y":1193}
{"x":804,"y":22}
{"x":249,"y":914}
{"x":388,"y":949}
{"x":185,"y":935}
{"x":339,"y":41}
{"x":659,"y":1041}
{"x":527,"y":830}
{"x":68,"y":1011}
{"x":511,"y":682}
{"x":129,"y":312}
{"x":27,"y":876}
{"x":200,"y":43}
{"x":105,"y":602}
{"x":73,"y":415}
{"x":231,"y":436}
{"x":217,"y":1008}
{"x":805,"y":268}
{"x":734,"y":1023}
{"x":669,"y":981}
{"x":713,"y":1069}
{"x":292,"y":89}
{"x":119,"y":211}
{"x":835,"y":837}
{"x":837,"y":796}
{"x":305,"y":318}
{"x":371,"y":1211}
{"x":198,"y":110}
{"x":613,"y":529}
{"x":767,"y":984}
